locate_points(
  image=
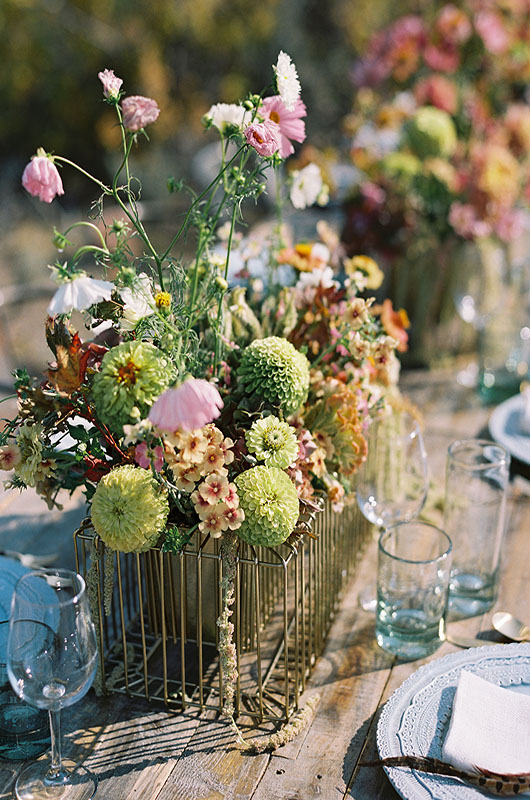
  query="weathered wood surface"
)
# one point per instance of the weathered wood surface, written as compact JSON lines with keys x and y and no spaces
{"x":141,"y":751}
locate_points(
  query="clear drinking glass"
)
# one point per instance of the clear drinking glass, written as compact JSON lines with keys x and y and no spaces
{"x":51,"y":663}
{"x":413,"y":569}
{"x":477,"y":475}
{"x":392,"y":484}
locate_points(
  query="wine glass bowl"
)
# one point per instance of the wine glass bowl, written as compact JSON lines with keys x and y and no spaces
{"x":51,"y":663}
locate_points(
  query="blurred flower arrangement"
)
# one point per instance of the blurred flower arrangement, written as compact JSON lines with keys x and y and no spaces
{"x":441,"y":131}
{"x":218,"y":392}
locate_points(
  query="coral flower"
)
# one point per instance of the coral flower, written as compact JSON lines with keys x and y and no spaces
{"x":264,"y":138}
{"x":290,"y":121}
{"x":394,"y":323}
{"x":41,"y":178}
{"x":191,"y":405}
{"x":138,"y":112}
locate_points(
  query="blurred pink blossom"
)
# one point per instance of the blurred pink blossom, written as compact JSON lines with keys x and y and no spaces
{"x":374,"y":195}
{"x":41,"y":178}
{"x":463,"y":217}
{"x":291,"y":124}
{"x":138,"y":112}
{"x":510,"y":225}
{"x":111,"y":83}
{"x":491,"y":29}
{"x":143,"y":456}
{"x":438,"y":91}
{"x":453,"y":25}
{"x":264,"y":137}
{"x":191,"y":405}
{"x":443,"y":57}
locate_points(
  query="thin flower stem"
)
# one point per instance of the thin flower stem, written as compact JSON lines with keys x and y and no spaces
{"x":329,"y":349}
{"x":87,"y":225}
{"x":89,"y":248}
{"x":199,"y":197}
{"x":105,"y":189}
{"x":220,"y":305}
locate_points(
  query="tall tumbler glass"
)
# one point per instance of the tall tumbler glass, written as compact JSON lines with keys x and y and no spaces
{"x":414,"y":561}
{"x":476,"y":485}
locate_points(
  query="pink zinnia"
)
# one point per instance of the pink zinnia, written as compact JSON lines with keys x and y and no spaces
{"x":191,"y":405}
{"x":138,"y":112}
{"x":264,"y":137}
{"x":41,"y":178}
{"x":291,"y":124}
{"x":111,"y":83}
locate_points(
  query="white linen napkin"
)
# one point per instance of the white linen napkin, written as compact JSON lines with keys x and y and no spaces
{"x":490,"y":727}
{"x":524,"y":419}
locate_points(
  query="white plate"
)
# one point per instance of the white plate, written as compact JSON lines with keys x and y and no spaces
{"x":504,"y":428}
{"x":415,"y":719}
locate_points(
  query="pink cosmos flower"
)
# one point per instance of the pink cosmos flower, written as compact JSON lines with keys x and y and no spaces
{"x":10,"y":456}
{"x":264,"y":137}
{"x":510,"y":225}
{"x":138,"y":112}
{"x":41,"y":178}
{"x":291,"y":124}
{"x":191,"y":405}
{"x":491,"y":29}
{"x":111,"y":83}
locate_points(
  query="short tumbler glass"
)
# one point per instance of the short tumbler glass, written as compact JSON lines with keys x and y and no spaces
{"x":476,"y":486}
{"x":414,"y":563}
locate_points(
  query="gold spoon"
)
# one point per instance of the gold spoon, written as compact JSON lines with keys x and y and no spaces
{"x":510,"y":627}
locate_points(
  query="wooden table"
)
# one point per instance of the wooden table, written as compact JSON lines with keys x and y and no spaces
{"x":141,"y":751}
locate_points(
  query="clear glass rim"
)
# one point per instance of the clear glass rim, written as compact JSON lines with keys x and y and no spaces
{"x":459,"y":445}
{"x":41,"y":573}
{"x":440,"y":557}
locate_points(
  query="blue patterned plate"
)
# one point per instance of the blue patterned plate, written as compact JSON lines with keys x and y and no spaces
{"x":504,"y":425}
{"x":415,"y":719}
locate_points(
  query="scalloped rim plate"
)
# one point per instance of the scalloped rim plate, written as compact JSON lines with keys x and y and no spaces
{"x":504,"y":428}
{"x":415,"y":718}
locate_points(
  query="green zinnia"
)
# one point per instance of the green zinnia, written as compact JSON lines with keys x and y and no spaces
{"x":129,"y":510}
{"x":276,"y":372}
{"x":431,"y":132}
{"x":273,"y":442}
{"x":30,"y":444}
{"x":132,"y":376}
{"x":270,"y":502}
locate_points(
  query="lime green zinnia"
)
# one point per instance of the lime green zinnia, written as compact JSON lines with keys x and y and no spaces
{"x":276,"y":372}
{"x":30,"y":445}
{"x":129,"y":510}
{"x":132,"y":376}
{"x":431,"y":132}
{"x":273,"y":442}
{"x":270,"y":502}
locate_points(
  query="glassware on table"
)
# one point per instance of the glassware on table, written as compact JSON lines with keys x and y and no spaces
{"x":51,"y":663}
{"x":392,"y":483}
{"x":24,"y":730}
{"x":413,"y":569}
{"x":477,"y":474}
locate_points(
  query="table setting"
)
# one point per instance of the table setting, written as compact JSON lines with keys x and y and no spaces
{"x":256,"y":541}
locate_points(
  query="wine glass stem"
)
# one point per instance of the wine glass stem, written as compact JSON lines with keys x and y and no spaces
{"x":56,"y":773}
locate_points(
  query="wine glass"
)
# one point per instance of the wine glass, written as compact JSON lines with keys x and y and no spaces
{"x":51,"y":663}
{"x":392,"y":483}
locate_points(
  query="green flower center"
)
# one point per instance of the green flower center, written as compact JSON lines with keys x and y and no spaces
{"x":274,"y":439}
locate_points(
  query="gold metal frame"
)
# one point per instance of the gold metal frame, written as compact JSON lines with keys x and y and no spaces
{"x":160,"y":640}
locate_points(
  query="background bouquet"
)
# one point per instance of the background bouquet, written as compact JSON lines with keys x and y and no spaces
{"x":440,"y":134}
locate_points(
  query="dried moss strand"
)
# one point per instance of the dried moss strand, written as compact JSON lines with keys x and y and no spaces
{"x":287,"y":732}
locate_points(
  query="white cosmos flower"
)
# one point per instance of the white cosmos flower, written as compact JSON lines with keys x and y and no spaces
{"x":287,"y":80}
{"x":80,"y":293}
{"x":317,"y":277}
{"x":224,"y":114}
{"x":307,"y":186}
{"x":138,"y":302}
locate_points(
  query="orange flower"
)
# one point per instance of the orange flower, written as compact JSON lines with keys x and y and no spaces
{"x":394,"y":323}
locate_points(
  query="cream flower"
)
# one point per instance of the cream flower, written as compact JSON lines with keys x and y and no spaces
{"x":214,"y":488}
{"x":307,"y":186}
{"x":138,"y":302}
{"x":287,"y":80}
{"x":272,"y":441}
{"x":223,"y":115}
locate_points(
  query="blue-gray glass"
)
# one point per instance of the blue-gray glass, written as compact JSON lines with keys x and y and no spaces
{"x":414,"y":560}
{"x":24,"y":731}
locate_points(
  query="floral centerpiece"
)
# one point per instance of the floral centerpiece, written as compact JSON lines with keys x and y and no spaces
{"x":440,"y":134}
{"x":220,"y":391}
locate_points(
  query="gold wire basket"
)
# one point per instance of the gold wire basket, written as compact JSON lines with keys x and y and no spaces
{"x":160,"y":639}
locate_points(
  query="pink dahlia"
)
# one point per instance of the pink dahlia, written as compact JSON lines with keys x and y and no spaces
{"x":138,"y":112}
{"x":264,"y":137}
{"x":191,"y":405}
{"x":41,"y":178}
{"x":290,"y":122}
